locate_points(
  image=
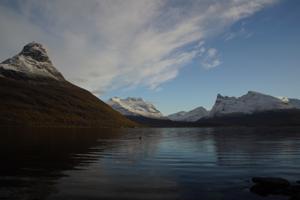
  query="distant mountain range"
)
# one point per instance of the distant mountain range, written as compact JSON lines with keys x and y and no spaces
{"x":253,"y":109}
{"x":250,"y":103}
{"x":246,"y":108}
{"x":137,"y":107}
{"x":34,"y":93}
{"x":189,"y":116}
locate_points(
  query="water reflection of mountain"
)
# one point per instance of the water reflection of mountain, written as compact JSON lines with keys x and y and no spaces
{"x":32,"y":160}
{"x":134,"y":163}
{"x":256,"y":146}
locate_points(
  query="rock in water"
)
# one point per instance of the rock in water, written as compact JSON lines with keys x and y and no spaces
{"x":265,"y":186}
{"x":271,"y":181}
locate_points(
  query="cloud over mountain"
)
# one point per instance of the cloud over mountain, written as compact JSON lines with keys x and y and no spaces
{"x":102,"y":45}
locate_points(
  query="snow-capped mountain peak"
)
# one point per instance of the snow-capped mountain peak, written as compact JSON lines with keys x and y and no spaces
{"x":32,"y":62}
{"x":190,"y":116}
{"x":134,"y":107}
{"x":250,"y":103}
{"x":36,"y":51}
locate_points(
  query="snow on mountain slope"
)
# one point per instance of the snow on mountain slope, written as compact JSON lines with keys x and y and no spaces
{"x":190,"y":116}
{"x":250,"y":103}
{"x":134,"y":107}
{"x":293,"y":102}
{"x":31,"y":62}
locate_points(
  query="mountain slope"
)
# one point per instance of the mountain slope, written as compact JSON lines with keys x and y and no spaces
{"x":34,"y":93}
{"x":190,"y":116}
{"x":253,"y":109}
{"x":250,"y":103}
{"x":162,"y":122}
{"x":134,"y":107}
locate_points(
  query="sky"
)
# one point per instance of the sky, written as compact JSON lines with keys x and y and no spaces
{"x":176,"y":54}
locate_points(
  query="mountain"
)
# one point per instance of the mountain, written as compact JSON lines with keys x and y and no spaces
{"x":34,"y":93}
{"x":250,"y":103}
{"x":134,"y":107}
{"x":142,"y":112}
{"x":253,"y":109}
{"x":190,"y":116}
{"x":31,"y":63}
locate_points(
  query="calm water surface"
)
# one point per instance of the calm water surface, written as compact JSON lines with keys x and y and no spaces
{"x":166,"y":163}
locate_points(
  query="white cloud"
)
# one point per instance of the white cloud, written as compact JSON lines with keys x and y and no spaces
{"x":210,"y":59}
{"x":109,"y":44}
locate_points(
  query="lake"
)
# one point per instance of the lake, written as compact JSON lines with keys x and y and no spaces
{"x":145,"y":163}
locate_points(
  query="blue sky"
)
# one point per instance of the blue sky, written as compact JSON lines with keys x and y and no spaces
{"x":176,"y":55}
{"x":266,"y":58}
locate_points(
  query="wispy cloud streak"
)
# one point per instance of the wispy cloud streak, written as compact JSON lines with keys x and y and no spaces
{"x":110,"y":44}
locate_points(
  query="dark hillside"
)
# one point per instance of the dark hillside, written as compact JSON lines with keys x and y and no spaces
{"x":54,"y":103}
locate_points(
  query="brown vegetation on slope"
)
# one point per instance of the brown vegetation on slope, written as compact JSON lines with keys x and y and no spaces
{"x":54,"y":103}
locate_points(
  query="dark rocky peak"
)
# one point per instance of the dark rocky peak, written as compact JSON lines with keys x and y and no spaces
{"x":36,"y":51}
